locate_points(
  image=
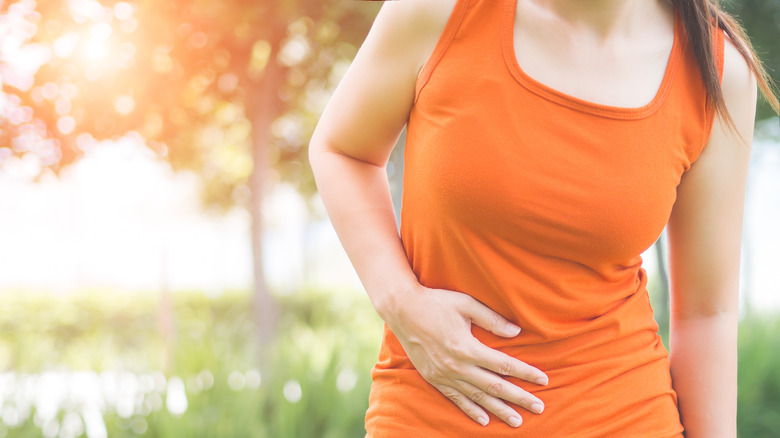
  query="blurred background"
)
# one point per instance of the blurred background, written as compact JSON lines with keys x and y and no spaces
{"x":166,"y":266}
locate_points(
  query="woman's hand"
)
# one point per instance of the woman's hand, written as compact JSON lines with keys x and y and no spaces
{"x":434,"y":328}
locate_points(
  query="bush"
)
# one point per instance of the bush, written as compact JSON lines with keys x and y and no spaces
{"x":317,"y":385}
{"x":758,"y":412}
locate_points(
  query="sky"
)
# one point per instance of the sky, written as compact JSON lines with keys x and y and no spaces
{"x":121,"y":220}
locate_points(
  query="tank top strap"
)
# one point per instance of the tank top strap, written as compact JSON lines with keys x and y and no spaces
{"x":688,"y":96}
{"x":473,"y":31}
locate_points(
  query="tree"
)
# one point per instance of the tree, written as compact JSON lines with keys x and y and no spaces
{"x":759,"y":18}
{"x":229,"y":89}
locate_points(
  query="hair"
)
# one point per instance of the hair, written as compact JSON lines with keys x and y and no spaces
{"x":701,"y":17}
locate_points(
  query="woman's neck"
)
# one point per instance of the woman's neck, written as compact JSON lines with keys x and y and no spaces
{"x":603,"y":18}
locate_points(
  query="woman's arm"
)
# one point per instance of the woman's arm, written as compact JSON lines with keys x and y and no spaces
{"x":704,"y":232}
{"x":348,"y":153}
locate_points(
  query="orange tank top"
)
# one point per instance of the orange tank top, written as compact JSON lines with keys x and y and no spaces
{"x":539,"y":204}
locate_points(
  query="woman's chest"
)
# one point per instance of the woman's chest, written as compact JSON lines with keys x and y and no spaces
{"x":567,"y":187}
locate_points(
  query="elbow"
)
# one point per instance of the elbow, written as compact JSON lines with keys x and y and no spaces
{"x":707,"y":310}
{"x":313,"y":157}
{"x":318,"y":144}
{"x":317,"y":154}
{"x":706,"y":300}
{"x":717,"y":316}
{"x":315,"y":149}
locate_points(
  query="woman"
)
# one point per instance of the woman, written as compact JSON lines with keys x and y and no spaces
{"x":549,"y":143}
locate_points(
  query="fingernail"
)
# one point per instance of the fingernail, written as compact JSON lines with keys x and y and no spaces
{"x":512,"y":329}
{"x":537,"y":408}
{"x":542,"y":381}
{"x":482,"y":420}
{"x":514,"y":421}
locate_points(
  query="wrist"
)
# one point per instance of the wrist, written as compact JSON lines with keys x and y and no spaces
{"x":392,"y":302}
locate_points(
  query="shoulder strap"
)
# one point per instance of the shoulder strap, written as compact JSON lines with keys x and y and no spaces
{"x":445,"y":39}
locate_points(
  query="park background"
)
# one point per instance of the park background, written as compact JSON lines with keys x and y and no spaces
{"x":166,"y":266}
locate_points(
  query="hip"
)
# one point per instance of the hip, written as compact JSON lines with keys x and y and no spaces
{"x":616,"y":396}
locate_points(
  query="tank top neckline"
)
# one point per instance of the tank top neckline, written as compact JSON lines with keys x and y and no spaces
{"x":554,"y":95}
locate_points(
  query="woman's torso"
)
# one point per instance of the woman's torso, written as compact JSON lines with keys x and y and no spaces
{"x":539,"y":203}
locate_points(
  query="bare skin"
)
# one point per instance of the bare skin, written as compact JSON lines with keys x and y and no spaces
{"x":612,"y":52}
{"x":630,"y":41}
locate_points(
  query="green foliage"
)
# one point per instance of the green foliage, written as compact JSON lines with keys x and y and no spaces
{"x":758,"y":412}
{"x":761,"y":23}
{"x":321,"y":361}
{"x":207,"y":85}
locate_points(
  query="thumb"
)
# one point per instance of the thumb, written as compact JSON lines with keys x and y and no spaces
{"x":490,"y":320}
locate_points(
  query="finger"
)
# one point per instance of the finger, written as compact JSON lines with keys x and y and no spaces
{"x":491,"y":403}
{"x":489,"y":319}
{"x":507,"y":365}
{"x":498,"y":387}
{"x":465,"y":404}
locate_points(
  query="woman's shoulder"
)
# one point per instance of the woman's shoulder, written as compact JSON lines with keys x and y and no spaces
{"x":418,"y":24}
{"x":738,"y":83}
{"x":368,"y":109}
{"x":416,"y":17}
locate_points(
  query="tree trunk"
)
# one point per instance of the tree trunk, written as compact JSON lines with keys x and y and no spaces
{"x":165,"y":311}
{"x":265,"y":105}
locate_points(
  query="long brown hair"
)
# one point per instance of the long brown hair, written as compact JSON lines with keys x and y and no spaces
{"x":699,"y":16}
